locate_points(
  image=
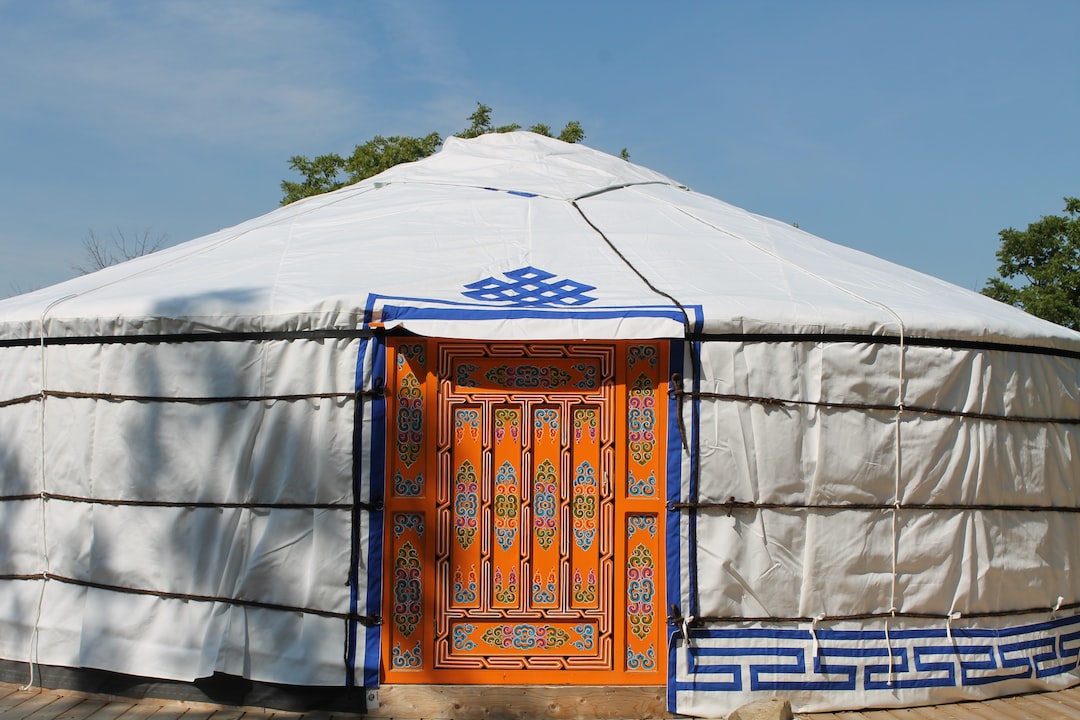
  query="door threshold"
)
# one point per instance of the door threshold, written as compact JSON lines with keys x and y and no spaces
{"x":521,"y":702}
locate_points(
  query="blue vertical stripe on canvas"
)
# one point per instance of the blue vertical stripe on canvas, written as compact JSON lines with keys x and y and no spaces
{"x":376,"y":476}
{"x":674,"y":517}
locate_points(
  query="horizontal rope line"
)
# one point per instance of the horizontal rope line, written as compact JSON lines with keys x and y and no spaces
{"x":370,"y":507}
{"x":777,"y":402}
{"x":732,"y":504}
{"x":887,"y":340}
{"x":20,"y":400}
{"x":168,"y":339}
{"x":697,"y":621}
{"x":196,"y":400}
{"x":367,"y":620}
{"x":181,"y":504}
{"x":345,"y":334}
{"x":111,"y":397}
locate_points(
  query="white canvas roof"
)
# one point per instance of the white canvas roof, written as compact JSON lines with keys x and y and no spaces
{"x":409,"y":243}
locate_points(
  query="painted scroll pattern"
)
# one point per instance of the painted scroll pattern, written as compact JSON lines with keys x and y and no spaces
{"x":507,"y":424}
{"x":488,"y":376}
{"x":643,"y":422}
{"x":584,"y":587}
{"x":516,"y":638}
{"x":640,"y":485}
{"x":527,"y":376}
{"x":545,"y":504}
{"x":547,"y":508}
{"x":410,"y":372}
{"x":505,"y":591}
{"x":408,"y":589}
{"x":410,"y":419}
{"x":647,"y":354}
{"x":407,"y":528}
{"x":641,"y":591}
{"x":466,"y":504}
{"x":467,"y":507}
{"x":641,"y":419}
{"x":465,"y":587}
{"x":587,"y":495}
{"x":506,"y":508}
{"x":408,"y":531}
{"x":643,"y":601}
{"x":526,"y":636}
{"x":585,"y":505}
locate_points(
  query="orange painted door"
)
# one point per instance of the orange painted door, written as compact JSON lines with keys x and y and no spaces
{"x":525,"y":513}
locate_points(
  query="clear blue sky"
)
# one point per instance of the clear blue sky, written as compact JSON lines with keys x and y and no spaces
{"x":911,"y":129}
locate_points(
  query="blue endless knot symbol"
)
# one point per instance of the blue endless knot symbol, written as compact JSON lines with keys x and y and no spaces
{"x":528,"y":287}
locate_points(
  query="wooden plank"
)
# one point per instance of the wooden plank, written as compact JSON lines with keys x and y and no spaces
{"x":965,"y":710}
{"x":15,"y":698}
{"x":928,"y":712}
{"x":1052,"y":707}
{"x":233,"y":713}
{"x":954,"y":711}
{"x":142,"y":709}
{"x":7,"y":689}
{"x":1070,"y":697}
{"x":916,"y":713}
{"x":980,"y":710}
{"x":1062,"y":704}
{"x":63,"y":704}
{"x":18,"y":706}
{"x":518,"y":702}
{"x":111,"y":710}
{"x":1026,"y":706}
{"x":171,"y":711}
{"x":997,"y":709}
{"x":84,"y":710}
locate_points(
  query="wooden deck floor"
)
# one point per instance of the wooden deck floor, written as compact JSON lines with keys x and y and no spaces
{"x":38,"y":704}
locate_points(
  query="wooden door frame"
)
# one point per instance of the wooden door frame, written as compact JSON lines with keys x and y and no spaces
{"x":410,"y":528}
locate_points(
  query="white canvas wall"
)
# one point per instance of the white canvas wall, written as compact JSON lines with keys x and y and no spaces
{"x":152,"y":442}
{"x":807,"y":424}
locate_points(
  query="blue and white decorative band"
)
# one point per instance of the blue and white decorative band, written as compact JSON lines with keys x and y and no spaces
{"x":776,"y":661}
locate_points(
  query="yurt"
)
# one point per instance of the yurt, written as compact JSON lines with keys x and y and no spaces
{"x":522,"y":416}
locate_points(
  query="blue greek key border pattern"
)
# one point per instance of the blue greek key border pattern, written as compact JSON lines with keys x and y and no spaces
{"x":725,"y":661}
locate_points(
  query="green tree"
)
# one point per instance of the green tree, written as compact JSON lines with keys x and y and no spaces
{"x":1039,"y":268}
{"x":332,"y":171}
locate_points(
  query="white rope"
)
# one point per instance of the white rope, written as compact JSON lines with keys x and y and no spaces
{"x":888,"y":643}
{"x":686,"y":642}
{"x":948,"y":624}
{"x":813,"y":632}
{"x":32,"y":651}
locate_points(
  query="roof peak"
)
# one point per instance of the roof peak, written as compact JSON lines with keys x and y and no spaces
{"x":526,"y":163}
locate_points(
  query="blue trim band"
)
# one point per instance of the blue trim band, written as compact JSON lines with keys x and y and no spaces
{"x":773,"y":660}
{"x":674,"y":518}
{"x":376,"y":484}
{"x":398,"y":312}
{"x":695,"y":480}
{"x":354,"y":530}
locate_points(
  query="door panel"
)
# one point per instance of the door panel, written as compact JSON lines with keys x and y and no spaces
{"x":526,"y":511}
